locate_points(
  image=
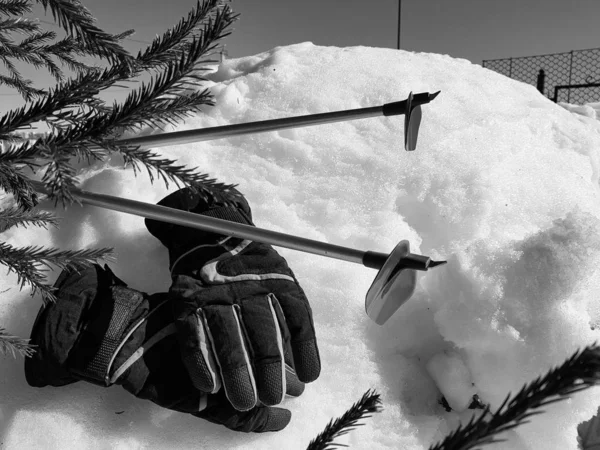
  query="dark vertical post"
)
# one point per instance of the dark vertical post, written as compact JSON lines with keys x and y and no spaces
{"x":399,"y":21}
{"x":570,"y":73}
{"x":540,"y":80}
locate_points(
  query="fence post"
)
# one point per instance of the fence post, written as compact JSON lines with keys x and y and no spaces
{"x":540,"y":81}
{"x":570,"y":73}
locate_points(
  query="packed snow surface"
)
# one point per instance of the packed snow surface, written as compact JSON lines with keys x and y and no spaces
{"x":503,"y":185}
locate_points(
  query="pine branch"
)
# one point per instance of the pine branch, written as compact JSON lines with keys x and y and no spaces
{"x":52,"y":67}
{"x":11,"y":139}
{"x":149,"y":104}
{"x":14,"y":345}
{"x":72,"y":92}
{"x":39,"y":38}
{"x":77,"y":21}
{"x":15,"y":7}
{"x":22,"y":152}
{"x":59,"y":176}
{"x":88,"y":83}
{"x":579,"y":372}
{"x":12,"y":217}
{"x":167,"y":47}
{"x":24,"y":52}
{"x":12,"y":182}
{"x":64,"y":50}
{"x":12,"y":69}
{"x":156,"y":103}
{"x":29,"y":264}
{"x":23,"y":87}
{"x":19,"y":25}
{"x":177,"y":109}
{"x":168,"y":171}
{"x":123,"y":35}
{"x":149,"y":99}
{"x":369,"y":403}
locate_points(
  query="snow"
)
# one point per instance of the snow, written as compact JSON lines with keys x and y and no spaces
{"x":453,"y":379}
{"x":503,"y":185}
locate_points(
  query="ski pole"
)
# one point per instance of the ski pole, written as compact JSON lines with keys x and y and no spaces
{"x":411,"y":108}
{"x":392,"y":287}
{"x":187,"y":219}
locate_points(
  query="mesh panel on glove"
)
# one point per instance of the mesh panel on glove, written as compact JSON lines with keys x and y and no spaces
{"x":305,"y":354}
{"x":126,"y":302}
{"x":241,"y":392}
{"x":269,"y":380}
{"x":200,"y":378}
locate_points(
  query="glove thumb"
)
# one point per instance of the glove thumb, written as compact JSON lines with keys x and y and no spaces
{"x":257,"y":420}
{"x":276,"y":419}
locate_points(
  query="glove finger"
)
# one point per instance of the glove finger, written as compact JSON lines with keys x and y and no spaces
{"x":232,"y":356}
{"x":197,"y":352}
{"x":293,"y":386}
{"x":263,"y":328}
{"x":298,"y":316}
{"x":257,"y":420}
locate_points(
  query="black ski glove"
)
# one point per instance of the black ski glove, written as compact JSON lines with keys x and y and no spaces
{"x":101,"y":331}
{"x":237,"y":307}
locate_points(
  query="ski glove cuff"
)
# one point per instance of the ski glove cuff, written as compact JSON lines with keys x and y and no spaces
{"x":79,"y":336}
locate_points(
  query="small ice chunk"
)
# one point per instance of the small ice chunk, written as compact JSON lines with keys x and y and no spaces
{"x":453,"y":379}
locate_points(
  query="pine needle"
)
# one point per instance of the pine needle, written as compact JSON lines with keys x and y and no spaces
{"x":15,"y":7}
{"x":368,"y":404}
{"x":30,"y":263}
{"x":15,"y":216}
{"x":12,"y":182}
{"x":14,"y":345}
{"x":77,"y":21}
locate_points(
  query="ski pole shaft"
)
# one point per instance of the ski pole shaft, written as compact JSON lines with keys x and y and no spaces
{"x":370,"y":259}
{"x":207,"y":134}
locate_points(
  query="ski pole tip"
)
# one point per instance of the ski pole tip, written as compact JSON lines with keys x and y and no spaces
{"x":436,"y":263}
{"x":434,"y":95}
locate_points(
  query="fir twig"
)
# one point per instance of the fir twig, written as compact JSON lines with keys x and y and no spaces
{"x":369,"y":403}
{"x":153,"y":99}
{"x":14,"y":217}
{"x":579,"y":372}
{"x":67,"y":94}
{"x":22,"y":86}
{"x":167,"y":169}
{"x":168,"y":46}
{"x":29,"y":263}
{"x":13,"y":182}
{"x":15,"y":7}
{"x":18,"y":25}
{"x":77,"y":21}
{"x":15,"y":345}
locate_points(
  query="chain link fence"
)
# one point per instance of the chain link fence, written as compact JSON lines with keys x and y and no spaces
{"x":571,"y":77}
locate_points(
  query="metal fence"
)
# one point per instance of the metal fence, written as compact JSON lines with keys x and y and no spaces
{"x":571,"y":77}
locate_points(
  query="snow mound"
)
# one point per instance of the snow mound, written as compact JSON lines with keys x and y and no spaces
{"x":503,"y":185}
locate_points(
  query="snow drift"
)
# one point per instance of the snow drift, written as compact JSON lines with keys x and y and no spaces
{"x":503,"y":185}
